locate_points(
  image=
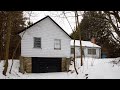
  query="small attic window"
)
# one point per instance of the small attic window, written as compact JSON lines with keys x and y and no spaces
{"x":37,"y":42}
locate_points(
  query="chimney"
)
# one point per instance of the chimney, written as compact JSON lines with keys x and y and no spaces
{"x":93,"y":40}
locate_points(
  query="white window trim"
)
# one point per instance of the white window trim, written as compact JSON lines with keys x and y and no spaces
{"x":54,"y":44}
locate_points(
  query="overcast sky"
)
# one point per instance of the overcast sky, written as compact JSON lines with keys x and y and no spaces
{"x":58,"y":17}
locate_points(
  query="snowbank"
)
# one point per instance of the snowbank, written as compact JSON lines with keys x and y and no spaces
{"x":92,"y":69}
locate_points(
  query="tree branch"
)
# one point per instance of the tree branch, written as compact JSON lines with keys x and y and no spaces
{"x":115,"y":38}
{"x":113,"y":25}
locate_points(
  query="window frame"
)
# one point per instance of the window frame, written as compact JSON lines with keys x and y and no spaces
{"x":35,"y":42}
{"x":59,"y":44}
{"x":92,"y":52}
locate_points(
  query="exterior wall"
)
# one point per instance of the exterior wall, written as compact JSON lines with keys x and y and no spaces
{"x":94,"y":56}
{"x":100,"y":53}
{"x":77,"y":52}
{"x":48,"y":31}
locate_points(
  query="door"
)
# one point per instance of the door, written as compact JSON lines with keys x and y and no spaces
{"x":44,"y":65}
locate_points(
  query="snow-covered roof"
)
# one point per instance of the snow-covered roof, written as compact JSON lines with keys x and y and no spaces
{"x":84,"y":43}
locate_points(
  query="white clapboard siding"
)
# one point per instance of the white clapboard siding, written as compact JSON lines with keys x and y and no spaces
{"x":48,"y":31}
{"x":85,"y":49}
{"x":98,"y":52}
{"x":86,"y":45}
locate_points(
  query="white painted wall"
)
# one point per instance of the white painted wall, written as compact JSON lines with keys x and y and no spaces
{"x":77,"y":52}
{"x":98,"y":51}
{"x":48,"y":31}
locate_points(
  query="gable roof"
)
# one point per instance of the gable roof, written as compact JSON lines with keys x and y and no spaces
{"x":84,"y":43}
{"x":42,"y":20}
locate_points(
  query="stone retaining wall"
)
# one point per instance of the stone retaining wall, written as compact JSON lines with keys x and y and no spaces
{"x":65,"y":64}
{"x":25,"y":64}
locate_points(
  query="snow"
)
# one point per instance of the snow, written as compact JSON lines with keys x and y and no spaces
{"x":84,"y":43}
{"x":107,"y":68}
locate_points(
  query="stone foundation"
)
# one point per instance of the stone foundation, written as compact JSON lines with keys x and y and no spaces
{"x":25,"y":64}
{"x":65,"y":64}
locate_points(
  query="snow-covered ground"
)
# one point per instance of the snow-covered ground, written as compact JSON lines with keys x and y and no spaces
{"x":92,"y":69}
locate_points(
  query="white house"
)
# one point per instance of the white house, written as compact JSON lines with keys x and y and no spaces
{"x":89,"y":49}
{"x":45,"y":47}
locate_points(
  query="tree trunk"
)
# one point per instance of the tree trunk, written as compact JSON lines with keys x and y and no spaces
{"x":74,"y":44}
{"x":14,"y":55}
{"x":81,"y":51}
{"x":74,"y":58}
{"x":15,"y":52}
{"x":7,"y":45}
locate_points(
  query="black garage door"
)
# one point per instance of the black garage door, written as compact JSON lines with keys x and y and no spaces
{"x":43,"y":65}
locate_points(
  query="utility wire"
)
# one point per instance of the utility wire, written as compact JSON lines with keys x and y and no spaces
{"x":68,"y":21}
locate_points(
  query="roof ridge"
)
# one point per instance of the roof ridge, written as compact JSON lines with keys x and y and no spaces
{"x":40,"y":21}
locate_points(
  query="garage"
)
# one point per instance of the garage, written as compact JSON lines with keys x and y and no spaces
{"x":44,"y":65}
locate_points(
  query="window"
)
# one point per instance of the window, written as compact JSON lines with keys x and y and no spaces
{"x":37,"y":42}
{"x":92,"y":51}
{"x":57,"y":44}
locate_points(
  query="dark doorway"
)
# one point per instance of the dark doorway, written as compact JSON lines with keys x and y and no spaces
{"x":44,"y":65}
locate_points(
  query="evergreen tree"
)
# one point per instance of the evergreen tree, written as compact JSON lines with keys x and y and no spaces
{"x":18,"y":24}
{"x":94,"y":24}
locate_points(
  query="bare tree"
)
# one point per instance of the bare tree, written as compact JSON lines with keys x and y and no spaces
{"x":78,"y":24}
{"x":2,"y":34}
{"x":7,"y":43}
{"x":29,"y":16}
{"x":113,"y":18}
{"x":74,"y":43}
{"x":14,"y":55}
